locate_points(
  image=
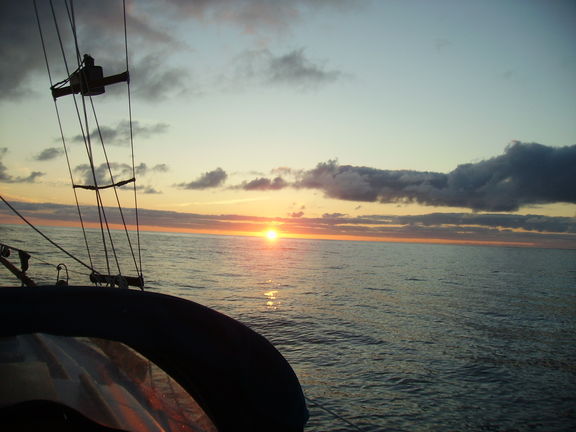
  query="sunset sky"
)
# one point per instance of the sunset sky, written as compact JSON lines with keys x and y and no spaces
{"x":413,"y":120}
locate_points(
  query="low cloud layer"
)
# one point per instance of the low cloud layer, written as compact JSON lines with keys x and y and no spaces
{"x":207,"y":180}
{"x":6,"y":177}
{"x":519,"y":230}
{"x":526,"y":174}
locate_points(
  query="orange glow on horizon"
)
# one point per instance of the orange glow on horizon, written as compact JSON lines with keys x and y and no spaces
{"x":273,"y":234}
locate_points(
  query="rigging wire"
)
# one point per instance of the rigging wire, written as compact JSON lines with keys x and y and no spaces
{"x":100,"y":204}
{"x":63,"y":139}
{"x":98,"y":193}
{"x":329,"y":411}
{"x":46,"y":237}
{"x":101,"y":211}
{"x":72,"y":19}
{"x":40,"y":259}
{"x":132,"y":139}
{"x":85,"y":130}
{"x":84,"y":133}
{"x":88,"y":150}
{"x":113,"y":183}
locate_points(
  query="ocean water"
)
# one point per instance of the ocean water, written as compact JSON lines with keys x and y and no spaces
{"x":392,"y":337}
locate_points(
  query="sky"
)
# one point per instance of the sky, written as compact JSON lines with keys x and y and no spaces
{"x":413,"y":120}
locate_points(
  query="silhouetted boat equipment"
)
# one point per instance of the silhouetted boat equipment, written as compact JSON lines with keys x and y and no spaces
{"x":88,"y":80}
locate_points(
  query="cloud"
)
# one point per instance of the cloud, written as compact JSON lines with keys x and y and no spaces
{"x":263,"y":183}
{"x":295,"y":68}
{"x":161,"y":168}
{"x":101,"y":33}
{"x":253,"y":15}
{"x":291,"y":69}
{"x":333,"y":215}
{"x":207,"y":180}
{"x":120,"y":135}
{"x":526,"y":174}
{"x":156,"y":80}
{"x":120,"y":172}
{"x":537,"y":223}
{"x":20,"y":53}
{"x":149,"y":190}
{"x":5,"y":177}
{"x":49,"y":154}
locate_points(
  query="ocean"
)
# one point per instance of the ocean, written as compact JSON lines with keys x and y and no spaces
{"x":389,"y":336}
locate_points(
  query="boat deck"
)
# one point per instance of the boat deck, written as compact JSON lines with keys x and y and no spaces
{"x":105,"y":381}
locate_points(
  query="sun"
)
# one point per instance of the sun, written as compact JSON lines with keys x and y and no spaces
{"x":271,"y":234}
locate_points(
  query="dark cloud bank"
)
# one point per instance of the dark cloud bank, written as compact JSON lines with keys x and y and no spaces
{"x":527,"y":174}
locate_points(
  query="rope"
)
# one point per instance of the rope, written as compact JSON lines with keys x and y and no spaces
{"x":46,"y":237}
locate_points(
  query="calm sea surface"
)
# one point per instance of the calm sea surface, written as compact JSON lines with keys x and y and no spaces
{"x":393,"y":337}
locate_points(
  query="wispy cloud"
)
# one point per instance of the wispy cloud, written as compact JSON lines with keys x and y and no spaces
{"x":526,"y":174}
{"x":104,"y":173}
{"x":5,"y":177}
{"x":49,"y":154}
{"x":252,"y":16}
{"x":221,"y":202}
{"x":292,"y":69}
{"x":120,"y":134}
{"x":148,"y":190}
{"x":157,"y":80}
{"x":207,"y":180}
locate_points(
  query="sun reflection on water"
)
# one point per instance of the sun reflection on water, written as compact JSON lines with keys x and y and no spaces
{"x":271,"y":296}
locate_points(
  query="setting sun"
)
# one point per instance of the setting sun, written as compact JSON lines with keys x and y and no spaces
{"x":271,"y":234}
